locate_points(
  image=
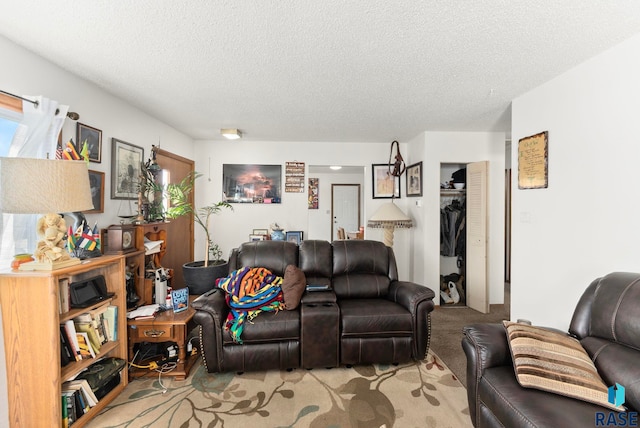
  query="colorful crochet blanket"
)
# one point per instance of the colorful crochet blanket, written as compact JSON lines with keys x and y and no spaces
{"x":250,"y":291}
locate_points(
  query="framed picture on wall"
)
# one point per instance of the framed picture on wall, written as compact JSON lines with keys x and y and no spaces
{"x":414,"y":179}
{"x":96,"y":183}
{"x":93,"y":138}
{"x":252,"y":184}
{"x":125,"y":169}
{"x":385,"y":185}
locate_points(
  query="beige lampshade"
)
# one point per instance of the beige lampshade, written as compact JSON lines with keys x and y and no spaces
{"x":38,"y":186}
{"x":389,"y":215}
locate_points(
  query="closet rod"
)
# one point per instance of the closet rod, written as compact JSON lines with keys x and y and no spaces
{"x":71,"y":115}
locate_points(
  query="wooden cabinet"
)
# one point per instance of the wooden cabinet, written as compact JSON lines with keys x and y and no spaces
{"x":31,"y":320}
{"x":154,"y":232}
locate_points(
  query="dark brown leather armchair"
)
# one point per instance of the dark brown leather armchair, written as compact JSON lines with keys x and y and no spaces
{"x":607,"y":323}
{"x":366,"y":315}
{"x":383,"y":320}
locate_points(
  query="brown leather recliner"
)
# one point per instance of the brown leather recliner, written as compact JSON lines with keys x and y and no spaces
{"x":606,"y":321}
{"x":366,"y":316}
{"x":382,"y":320}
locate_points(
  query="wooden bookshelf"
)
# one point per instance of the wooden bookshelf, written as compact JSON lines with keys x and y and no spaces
{"x":31,"y":319}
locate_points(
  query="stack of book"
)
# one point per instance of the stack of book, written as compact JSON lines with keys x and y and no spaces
{"x":77,"y":399}
{"x":83,"y":336}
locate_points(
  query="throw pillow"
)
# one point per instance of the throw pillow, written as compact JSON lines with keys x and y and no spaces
{"x":555,"y":362}
{"x":293,"y":285}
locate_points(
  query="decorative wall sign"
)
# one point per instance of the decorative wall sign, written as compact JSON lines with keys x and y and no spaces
{"x":533,"y":162}
{"x":294,"y":177}
{"x":252,"y":184}
{"x":314,"y":200}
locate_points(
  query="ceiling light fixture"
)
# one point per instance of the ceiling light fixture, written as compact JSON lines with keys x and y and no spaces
{"x":335,"y":167}
{"x":231,"y":133}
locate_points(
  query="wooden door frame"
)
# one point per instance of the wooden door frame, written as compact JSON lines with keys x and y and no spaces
{"x":189,"y":234}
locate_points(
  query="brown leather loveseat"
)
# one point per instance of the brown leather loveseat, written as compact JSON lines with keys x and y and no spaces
{"x":365,"y":316}
{"x":606,"y":322}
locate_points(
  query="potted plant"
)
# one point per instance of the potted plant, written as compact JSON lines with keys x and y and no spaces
{"x":200,"y":276}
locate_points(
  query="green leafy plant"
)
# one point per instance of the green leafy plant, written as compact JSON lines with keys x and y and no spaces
{"x":179,"y":205}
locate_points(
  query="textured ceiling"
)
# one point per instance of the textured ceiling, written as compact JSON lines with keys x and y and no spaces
{"x":320,"y":70}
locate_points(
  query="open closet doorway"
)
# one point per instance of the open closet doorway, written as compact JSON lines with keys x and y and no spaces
{"x":463,"y":236}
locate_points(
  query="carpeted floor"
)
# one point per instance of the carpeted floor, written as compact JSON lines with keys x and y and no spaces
{"x":446,"y":331}
{"x":420,"y":394}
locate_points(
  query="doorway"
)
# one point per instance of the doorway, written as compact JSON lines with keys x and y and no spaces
{"x":463,"y":236}
{"x":320,"y":217}
{"x":345,"y":208}
{"x":180,"y":231}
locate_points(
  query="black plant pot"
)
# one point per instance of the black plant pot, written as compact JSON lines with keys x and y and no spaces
{"x":201,"y":279}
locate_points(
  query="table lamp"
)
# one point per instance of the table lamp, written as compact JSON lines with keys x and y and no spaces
{"x":37,"y":186}
{"x":388,"y":217}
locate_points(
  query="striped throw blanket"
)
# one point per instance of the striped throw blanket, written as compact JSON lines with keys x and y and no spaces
{"x":250,"y":291}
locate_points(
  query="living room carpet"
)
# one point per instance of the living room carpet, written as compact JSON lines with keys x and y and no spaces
{"x":416,"y":394}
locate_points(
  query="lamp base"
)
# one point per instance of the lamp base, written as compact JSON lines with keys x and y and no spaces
{"x":49,"y":266}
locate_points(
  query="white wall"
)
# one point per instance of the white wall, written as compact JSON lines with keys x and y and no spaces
{"x":23,"y":73}
{"x":585,"y":224}
{"x":458,"y":148}
{"x":232,"y":228}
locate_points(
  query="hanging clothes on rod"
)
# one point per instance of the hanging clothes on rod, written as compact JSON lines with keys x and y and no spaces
{"x":452,"y":227}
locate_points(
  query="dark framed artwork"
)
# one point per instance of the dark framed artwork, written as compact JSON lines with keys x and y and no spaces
{"x":294,"y":236}
{"x":126,"y":159}
{"x":96,"y":182}
{"x":385,"y":185}
{"x":252,"y":184}
{"x":93,"y":137}
{"x":414,"y":179}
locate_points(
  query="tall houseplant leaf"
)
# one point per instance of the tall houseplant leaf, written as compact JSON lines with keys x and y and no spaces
{"x":178,"y":195}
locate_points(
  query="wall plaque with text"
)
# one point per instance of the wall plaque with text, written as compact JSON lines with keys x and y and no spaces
{"x":533,"y":152}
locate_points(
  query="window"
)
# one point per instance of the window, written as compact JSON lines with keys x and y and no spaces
{"x":10,"y":117}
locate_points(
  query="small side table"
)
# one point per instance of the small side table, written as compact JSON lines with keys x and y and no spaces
{"x":167,"y":326}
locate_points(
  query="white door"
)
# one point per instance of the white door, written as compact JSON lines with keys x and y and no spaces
{"x":477,"y":220}
{"x":345,"y":208}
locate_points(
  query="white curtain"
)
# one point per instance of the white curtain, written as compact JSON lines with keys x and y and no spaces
{"x":35,"y":137}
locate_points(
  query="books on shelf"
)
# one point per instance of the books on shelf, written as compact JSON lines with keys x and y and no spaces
{"x":82,"y":385}
{"x":77,"y":399}
{"x":64,"y":299}
{"x":99,"y":324}
{"x":66,"y":351}
{"x":111,"y":316}
{"x":92,"y":335}
{"x":86,"y":350}
{"x":70,"y":329}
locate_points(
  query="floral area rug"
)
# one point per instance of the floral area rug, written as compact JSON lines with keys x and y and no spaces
{"x":417,"y":394}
